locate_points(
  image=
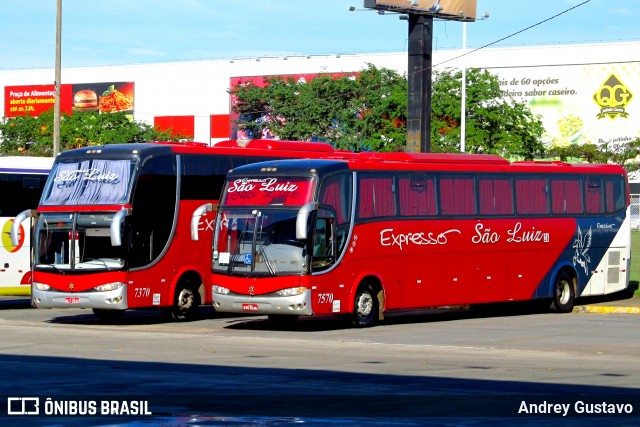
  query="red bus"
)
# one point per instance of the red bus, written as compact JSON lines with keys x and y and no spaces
{"x":113,"y":224}
{"x":378,"y":232}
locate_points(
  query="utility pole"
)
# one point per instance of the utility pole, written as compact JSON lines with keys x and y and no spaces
{"x":58,"y":77}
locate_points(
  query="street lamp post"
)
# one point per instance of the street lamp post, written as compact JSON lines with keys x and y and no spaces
{"x":58,"y":74}
{"x":463,"y":93}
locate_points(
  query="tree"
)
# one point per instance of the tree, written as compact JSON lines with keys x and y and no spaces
{"x":33,"y":136}
{"x":493,"y":125}
{"x":366,"y":111}
{"x":625,"y":154}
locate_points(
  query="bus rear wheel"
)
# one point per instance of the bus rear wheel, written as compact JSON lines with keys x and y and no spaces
{"x":365,"y":307}
{"x":563,"y":293}
{"x":186,"y":302}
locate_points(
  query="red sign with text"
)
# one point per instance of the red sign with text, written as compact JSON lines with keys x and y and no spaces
{"x":269,"y":191}
{"x":33,"y":100}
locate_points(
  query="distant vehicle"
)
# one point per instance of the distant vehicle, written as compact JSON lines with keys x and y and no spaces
{"x":112,"y":230}
{"x":392,"y":231}
{"x":21,"y":182}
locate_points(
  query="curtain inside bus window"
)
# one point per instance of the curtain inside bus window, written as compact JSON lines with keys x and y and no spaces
{"x":376,"y":196}
{"x":457,"y":195}
{"x":90,"y":182}
{"x":531,"y":195}
{"x":593,"y":195}
{"x":417,"y":194}
{"x":615,"y":193}
{"x":336,"y":192}
{"x":566,"y":195}
{"x":331,"y":196}
{"x":496,"y":195}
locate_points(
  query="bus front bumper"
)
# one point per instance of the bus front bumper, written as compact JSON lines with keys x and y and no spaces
{"x":297,"y":305}
{"x":109,"y":300}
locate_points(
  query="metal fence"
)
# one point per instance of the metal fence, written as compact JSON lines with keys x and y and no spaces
{"x":635,"y":211}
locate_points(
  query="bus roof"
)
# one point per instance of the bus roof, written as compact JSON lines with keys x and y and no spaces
{"x":25,"y":164}
{"x":430,"y":162}
{"x":248,"y":147}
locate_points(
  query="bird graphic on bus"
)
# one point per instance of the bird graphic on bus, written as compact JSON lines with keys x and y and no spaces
{"x":582,"y":244}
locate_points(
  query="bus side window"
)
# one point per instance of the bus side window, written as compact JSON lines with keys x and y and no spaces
{"x":324,"y":247}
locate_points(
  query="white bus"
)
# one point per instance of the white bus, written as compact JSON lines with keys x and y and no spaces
{"x":21,"y":183}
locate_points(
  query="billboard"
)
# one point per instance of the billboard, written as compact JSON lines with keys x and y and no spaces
{"x":580,"y":104}
{"x":105,"y":97}
{"x":458,"y":10}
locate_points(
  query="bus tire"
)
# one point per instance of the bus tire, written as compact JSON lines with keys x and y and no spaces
{"x":563,"y":293}
{"x":365,"y":306}
{"x":108,"y":315}
{"x":186,"y":302}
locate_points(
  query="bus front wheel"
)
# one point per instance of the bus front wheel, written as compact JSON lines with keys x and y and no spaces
{"x":365,"y":307}
{"x":563,"y":293}
{"x":186,"y":302}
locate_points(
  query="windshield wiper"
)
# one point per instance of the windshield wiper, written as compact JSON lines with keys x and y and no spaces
{"x":236,"y":251}
{"x":56,"y":269}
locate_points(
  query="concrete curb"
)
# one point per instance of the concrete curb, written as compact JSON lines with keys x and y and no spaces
{"x":603,"y":309}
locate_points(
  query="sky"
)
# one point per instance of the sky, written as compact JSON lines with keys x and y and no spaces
{"x":118,"y":32}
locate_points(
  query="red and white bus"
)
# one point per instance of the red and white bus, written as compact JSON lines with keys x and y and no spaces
{"x":113,"y":225}
{"x":22,"y":179}
{"x":379,"y":232}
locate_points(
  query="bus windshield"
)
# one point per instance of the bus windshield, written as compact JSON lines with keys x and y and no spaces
{"x":94,"y":181}
{"x":76,"y":241}
{"x":261,"y":242}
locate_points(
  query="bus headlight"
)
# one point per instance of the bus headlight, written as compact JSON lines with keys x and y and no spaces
{"x":220,"y":290}
{"x":41,"y":286}
{"x":108,"y":287}
{"x":289,"y":292}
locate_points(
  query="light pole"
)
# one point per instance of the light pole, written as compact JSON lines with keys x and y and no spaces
{"x":58,"y":73}
{"x":463,"y":92}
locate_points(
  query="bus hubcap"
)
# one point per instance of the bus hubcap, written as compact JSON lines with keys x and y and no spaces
{"x":365,"y":304}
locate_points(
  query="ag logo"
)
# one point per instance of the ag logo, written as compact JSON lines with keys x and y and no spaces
{"x":613,"y":98}
{"x":6,"y":237}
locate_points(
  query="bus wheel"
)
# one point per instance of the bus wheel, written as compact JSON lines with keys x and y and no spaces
{"x":365,"y":308}
{"x":187,"y":300}
{"x":108,"y":315}
{"x":563,"y":293}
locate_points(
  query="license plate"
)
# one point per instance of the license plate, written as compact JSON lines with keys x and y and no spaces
{"x":74,"y":300}
{"x":253,"y":308}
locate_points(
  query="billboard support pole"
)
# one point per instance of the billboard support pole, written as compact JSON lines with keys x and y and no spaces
{"x":419,"y":83}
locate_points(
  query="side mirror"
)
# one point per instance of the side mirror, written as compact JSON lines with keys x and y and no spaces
{"x":116,"y":227}
{"x":303,"y":218}
{"x":199,"y":213}
{"x":15,"y":227}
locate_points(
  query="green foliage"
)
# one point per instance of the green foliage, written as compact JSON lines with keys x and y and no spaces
{"x":493,"y":125}
{"x":363,"y":112}
{"x":33,"y":136}
{"x":624,"y":154}
{"x":369,"y":111}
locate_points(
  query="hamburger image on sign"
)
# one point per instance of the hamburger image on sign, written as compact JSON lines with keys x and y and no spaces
{"x":85,"y":100}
